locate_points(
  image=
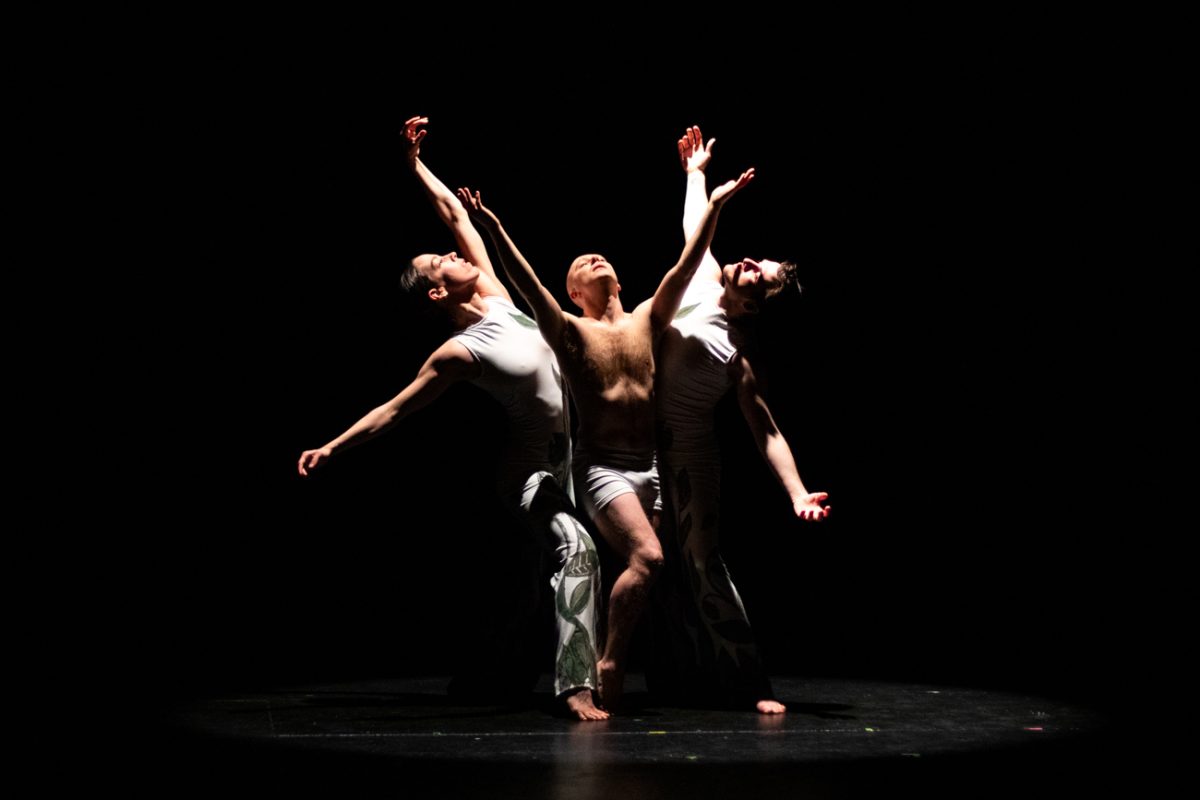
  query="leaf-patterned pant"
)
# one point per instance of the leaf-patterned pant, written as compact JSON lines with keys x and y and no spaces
{"x":704,"y":646}
{"x":576,"y":581}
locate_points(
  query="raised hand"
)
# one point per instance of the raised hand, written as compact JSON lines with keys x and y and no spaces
{"x":309,"y":459}
{"x":809,"y":508}
{"x":693,"y":153}
{"x":473,"y":203}
{"x":730,"y":188}
{"x":413,"y":134}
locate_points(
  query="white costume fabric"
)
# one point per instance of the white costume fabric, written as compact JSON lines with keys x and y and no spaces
{"x":602,"y":478}
{"x":717,"y":655}
{"x":519,"y":370}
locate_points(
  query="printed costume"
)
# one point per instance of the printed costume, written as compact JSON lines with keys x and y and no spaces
{"x":712,"y":654}
{"x":519,"y":370}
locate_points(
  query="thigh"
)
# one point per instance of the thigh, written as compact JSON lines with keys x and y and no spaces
{"x":624,"y":525}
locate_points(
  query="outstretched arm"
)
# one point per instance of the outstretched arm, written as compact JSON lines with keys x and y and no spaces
{"x":694,"y":155}
{"x":771,"y":443}
{"x":448,"y":208}
{"x":449,"y":363}
{"x":670,"y":291}
{"x":546,"y":310}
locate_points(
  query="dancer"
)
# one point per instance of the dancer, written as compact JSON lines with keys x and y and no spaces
{"x":499,"y":349}
{"x":607,"y":357}
{"x":700,"y":357}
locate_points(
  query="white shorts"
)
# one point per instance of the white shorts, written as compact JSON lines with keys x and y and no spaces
{"x":600,"y":479}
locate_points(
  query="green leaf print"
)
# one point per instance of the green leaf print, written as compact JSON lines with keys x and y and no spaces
{"x":577,"y":662}
{"x":582,"y":564}
{"x":683,"y":312}
{"x":685,"y":528}
{"x":718,"y":579}
{"x":523,"y":320}
{"x":683,"y":485}
{"x":693,"y":573}
{"x":560,"y":600}
{"x":728,"y":671}
{"x":734,"y":630}
{"x":580,"y":597}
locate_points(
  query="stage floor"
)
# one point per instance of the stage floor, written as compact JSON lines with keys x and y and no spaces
{"x":839,"y":738}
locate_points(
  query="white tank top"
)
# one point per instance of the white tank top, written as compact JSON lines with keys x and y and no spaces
{"x":693,"y":368}
{"x":518,"y":368}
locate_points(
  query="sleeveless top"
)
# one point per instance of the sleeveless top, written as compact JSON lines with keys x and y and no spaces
{"x":693,"y":372}
{"x":518,"y":368}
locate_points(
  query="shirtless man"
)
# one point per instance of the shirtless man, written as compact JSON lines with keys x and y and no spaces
{"x":607,"y":358}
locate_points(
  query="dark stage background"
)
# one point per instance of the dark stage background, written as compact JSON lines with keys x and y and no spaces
{"x":930,"y":377}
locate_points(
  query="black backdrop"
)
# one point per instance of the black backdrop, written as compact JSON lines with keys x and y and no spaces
{"x":930,"y":378}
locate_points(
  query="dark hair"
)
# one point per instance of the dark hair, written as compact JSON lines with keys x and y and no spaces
{"x":415,"y":286}
{"x":415,"y":283}
{"x":787,"y":277}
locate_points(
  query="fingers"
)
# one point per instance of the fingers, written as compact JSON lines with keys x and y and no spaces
{"x":711,"y":142}
{"x":473,"y":202}
{"x":743,"y":179}
{"x":686,"y":148}
{"x":810,"y":509}
{"x":410,"y":130}
{"x":728,"y":189}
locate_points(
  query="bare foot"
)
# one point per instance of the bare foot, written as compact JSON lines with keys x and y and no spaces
{"x":580,"y":704}
{"x":770,"y":707}
{"x":612,"y":684}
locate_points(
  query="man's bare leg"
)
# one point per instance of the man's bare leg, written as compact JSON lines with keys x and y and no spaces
{"x":624,"y":526}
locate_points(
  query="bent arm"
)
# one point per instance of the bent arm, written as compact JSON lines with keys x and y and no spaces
{"x":675,"y":282}
{"x":448,"y":364}
{"x":546,"y":310}
{"x":771,"y":444}
{"x":449,"y":210}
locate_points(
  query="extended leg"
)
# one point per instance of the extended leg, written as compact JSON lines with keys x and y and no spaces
{"x":725,"y":644}
{"x":624,"y":525}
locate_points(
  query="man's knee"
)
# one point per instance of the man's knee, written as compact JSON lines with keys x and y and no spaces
{"x":648,"y":558}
